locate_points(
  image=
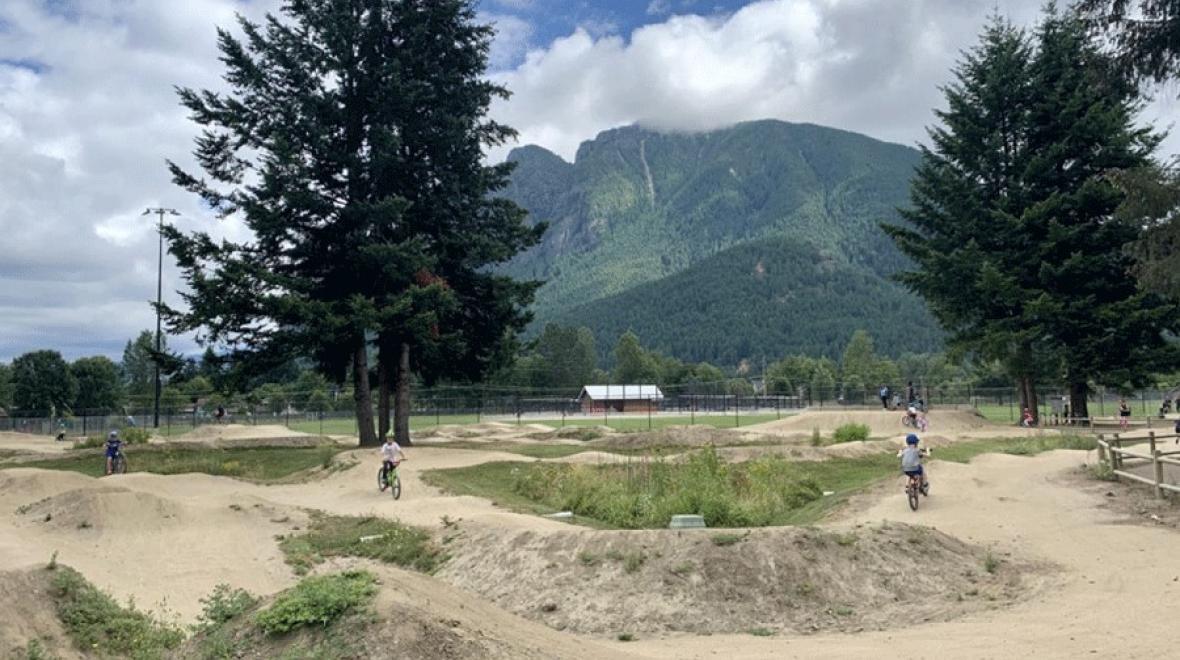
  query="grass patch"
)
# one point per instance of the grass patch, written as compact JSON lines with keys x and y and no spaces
{"x":223,"y":605}
{"x":97,"y":623}
{"x":354,"y":536}
{"x":129,"y":436}
{"x":641,"y":422}
{"x":626,"y":637}
{"x":1102,"y":471}
{"x":532,"y":450}
{"x":725,"y":539}
{"x":255,"y":464}
{"x":991,"y":563}
{"x":317,"y":601}
{"x":851,"y":433}
{"x":761,"y":632}
{"x":633,"y":562}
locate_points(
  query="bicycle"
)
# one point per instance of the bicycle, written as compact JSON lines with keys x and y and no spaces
{"x":389,"y":469}
{"x":917,"y":484}
{"x":119,"y":462}
{"x":919,"y":422}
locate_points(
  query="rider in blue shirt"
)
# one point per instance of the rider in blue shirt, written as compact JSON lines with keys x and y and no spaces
{"x":112,"y":448}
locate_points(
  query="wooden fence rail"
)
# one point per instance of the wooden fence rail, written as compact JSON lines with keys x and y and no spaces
{"x":1112,"y":452}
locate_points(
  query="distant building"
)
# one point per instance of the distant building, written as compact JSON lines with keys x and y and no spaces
{"x":620,"y":398}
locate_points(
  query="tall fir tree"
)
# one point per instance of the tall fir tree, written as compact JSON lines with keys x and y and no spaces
{"x":350,"y":143}
{"x":967,"y":197}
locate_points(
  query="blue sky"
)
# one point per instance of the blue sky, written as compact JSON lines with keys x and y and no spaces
{"x":550,"y":19}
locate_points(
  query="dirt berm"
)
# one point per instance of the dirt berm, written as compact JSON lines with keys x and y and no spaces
{"x":733,"y":581}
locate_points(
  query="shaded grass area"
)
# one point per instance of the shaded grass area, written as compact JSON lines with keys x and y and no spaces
{"x":354,"y":536}
{"x":645,"y":493}
{"x":98,"y":624}
{"x":257,"y":463}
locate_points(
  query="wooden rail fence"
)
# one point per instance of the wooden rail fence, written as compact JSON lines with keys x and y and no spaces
{"x":1112,"y":452}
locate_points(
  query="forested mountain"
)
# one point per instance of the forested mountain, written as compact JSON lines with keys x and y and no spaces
{"x":637,"y":207}
{"x":771,"y":297}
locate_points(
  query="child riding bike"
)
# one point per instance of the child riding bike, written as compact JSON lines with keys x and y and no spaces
{"x":911,"y":461}
{"x":112,"y":449}
{"x":391,"y":455}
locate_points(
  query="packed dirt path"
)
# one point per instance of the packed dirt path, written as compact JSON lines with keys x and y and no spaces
{"x":168,"y":540}
{"x":1116,"y":578}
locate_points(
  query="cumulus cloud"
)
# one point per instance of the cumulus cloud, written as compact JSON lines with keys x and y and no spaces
{"x":872,"y":66}
{"x":88,"y":115}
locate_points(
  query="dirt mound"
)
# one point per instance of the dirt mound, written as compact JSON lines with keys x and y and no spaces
{"x":30,"y":617}
{"x":881,"y":423}
{"x":412,"y":617}
{"x":222,"y":432}
{"x":676,"y":436}
{"x":733,"y":581}
{"x":23,"y":443}
{"x":98,"y":508}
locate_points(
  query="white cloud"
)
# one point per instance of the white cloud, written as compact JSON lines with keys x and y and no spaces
{"x":512,"y":39}
{"x":873,"y":66}
{"x":89,"y":115}
{"x":659,"y":7}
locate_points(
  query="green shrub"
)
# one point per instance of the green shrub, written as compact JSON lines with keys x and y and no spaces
{"x":991,"y":563}
{"x":317,"y":601}
{"x":224,"y":604}
{"x":817,"y":440}
{"x":851,"y":433}
{"x":341,"y":536}
{"x":725,"y":539}
{"x":1103,"y":471}
{"x":135,"y":436}
{"x":96,"y":622}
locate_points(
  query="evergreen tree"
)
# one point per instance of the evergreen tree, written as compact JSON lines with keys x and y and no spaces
{"x":858,"y":364}
{"x":973,"y":261}
{"x":139,"y":367}
{"x":1145,"y":32}
{"x":5,"y":386}
{"x":42,"y":384}
{"x":351,"y":144}
{"x":1081,"y":128}
{"x":1019,"y":254}
{"x":99,"y":386}
{"x":567,"y":357}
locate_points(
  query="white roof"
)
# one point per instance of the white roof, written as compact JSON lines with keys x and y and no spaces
{"x":622,"y":393}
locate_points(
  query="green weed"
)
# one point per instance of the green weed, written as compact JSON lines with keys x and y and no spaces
{"x":96,"y":622}
{"x":354,"y":536}
{"x":317,"y":601}
{"x":851,"y":433}
{"x":223,"y":605}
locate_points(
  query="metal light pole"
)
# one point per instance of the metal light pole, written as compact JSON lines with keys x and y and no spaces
{"x":159,"y":301}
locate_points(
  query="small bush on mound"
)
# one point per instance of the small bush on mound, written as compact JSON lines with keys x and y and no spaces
{"x":354,"y":536}
{"x":317,"y":601}
{"x":129,"y":436}
{"x":648,"y":493}
{"x":97,"y":623}
{"x":223,"y":605}
{"x":851,"y":433}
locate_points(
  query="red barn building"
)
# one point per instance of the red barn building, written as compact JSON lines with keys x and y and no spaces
{"x":620,"y":398}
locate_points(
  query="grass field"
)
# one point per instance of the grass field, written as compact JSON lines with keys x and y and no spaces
{"x":257,"y":464}
{"x":585,"y":489}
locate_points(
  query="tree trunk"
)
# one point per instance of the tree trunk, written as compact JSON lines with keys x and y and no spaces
{"x":1028,"y":398}
{"x":401,"y":402}
{"x":363,"y":397}
{"x":383,"y":396}
{"x":1079,"y":407}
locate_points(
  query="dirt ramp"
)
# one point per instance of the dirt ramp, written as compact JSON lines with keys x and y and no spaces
{"x":734,"y":581}
{"x":30,"y":618}
{"x":881,"y":423}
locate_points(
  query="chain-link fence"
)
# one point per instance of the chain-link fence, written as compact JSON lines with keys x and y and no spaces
{"x":625,"y":406}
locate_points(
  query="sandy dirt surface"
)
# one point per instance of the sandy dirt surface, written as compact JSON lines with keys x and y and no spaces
{"x":168,"y":540}
{"x":950,"y":423}
{"x":27,"y":443}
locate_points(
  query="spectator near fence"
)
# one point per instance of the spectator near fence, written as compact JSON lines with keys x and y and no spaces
{"x":885,"y":397}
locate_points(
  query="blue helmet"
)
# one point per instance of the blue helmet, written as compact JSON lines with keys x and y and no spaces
{"x":911,"y":439}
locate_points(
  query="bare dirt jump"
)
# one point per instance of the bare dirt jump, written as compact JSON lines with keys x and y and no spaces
{"x":1009,"y":557}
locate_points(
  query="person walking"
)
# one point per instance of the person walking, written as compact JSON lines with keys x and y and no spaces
{"x":884,"y":393}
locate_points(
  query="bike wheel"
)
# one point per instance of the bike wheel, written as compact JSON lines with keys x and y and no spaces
{"x":396,"y":488}
{"x":119,"y":465}
{"x":911,"y":492}
{"x":381,"y":481}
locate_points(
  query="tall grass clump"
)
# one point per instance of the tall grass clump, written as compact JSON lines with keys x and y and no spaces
{"x":647,"y":493}
{"x":851,"y":433}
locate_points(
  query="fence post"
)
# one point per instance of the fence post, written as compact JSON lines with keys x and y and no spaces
{"x":1101,"y":449}
{"x":1159,"y":473}
{"x":1116,"y":457}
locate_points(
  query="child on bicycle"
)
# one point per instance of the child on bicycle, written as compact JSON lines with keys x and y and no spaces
{"x":391,"y":455}
{"x":911,"y":461}
{"x":112,"y":449}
